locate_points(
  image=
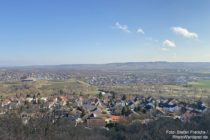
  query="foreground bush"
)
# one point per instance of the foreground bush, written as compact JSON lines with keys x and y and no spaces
{"x":11,"y":128}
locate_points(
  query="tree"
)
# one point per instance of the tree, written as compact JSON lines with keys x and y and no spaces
{"x":125,"y":111}
{"x":61,"y":92}
{"x":124,"y":97}
{"x":100,"y":95}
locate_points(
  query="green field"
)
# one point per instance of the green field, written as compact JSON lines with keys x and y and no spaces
{"x":200,"y":84}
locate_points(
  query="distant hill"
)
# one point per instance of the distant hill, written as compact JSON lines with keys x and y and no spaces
{"x":186,"y":66}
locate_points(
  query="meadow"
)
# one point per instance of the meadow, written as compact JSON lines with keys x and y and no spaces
{"x":200,"y":84}
{"x":46,"y":88}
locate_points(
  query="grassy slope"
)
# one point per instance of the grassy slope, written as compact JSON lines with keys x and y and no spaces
{"x":201,"y":84}
{"x":46,"y":87}
{"x":161,"y":91}
{"x":77,"y":87}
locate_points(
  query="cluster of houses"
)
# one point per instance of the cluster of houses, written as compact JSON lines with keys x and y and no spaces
{"x":31,"y":75}
{"x":100,"y":110}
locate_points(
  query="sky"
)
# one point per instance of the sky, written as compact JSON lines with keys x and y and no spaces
{"x":50,"y":32}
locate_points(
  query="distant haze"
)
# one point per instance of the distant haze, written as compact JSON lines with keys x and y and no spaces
{"x":132,"y":66}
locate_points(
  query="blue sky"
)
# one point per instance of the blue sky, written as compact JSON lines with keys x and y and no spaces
{"x":37,"y":32}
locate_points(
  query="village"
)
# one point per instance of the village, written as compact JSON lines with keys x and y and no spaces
{"x":98,"y":77}
{"x":101,"y":110}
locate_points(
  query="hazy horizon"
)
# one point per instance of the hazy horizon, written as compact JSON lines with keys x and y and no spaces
{"x":2,"y":66}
